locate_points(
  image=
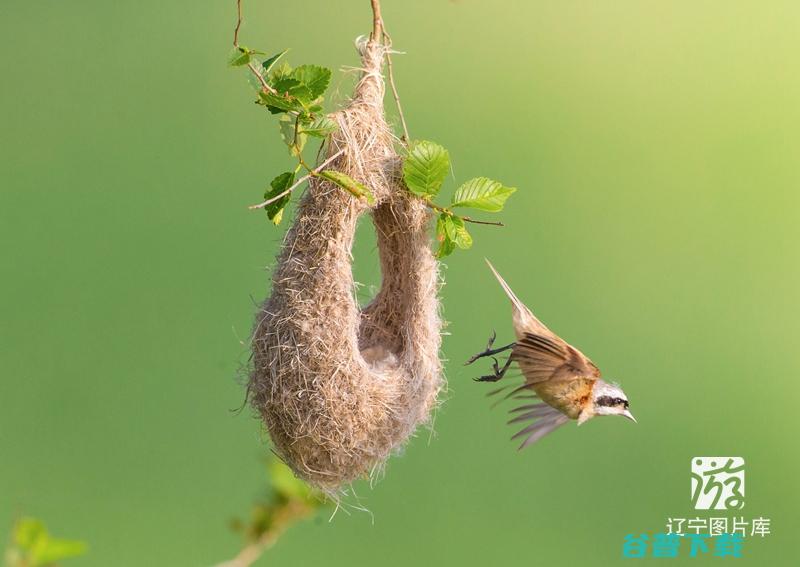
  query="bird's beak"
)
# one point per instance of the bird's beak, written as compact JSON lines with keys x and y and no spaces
{"x":629,"y":415}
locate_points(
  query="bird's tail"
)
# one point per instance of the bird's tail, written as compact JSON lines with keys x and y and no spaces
{"x":524,"y":320}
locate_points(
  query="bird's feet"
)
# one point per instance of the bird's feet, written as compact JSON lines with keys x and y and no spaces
{"x":498,"y":372}
{"x":489,"y":351}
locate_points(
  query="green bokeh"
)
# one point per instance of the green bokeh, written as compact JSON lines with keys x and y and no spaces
{"x":656,"y":226}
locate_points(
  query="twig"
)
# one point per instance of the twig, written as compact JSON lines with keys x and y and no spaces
{"x":251,"y":553}
{"x":450,"y":213}
{"x":476,"y":221}
{"x":238,"y":23}
{"x":388,"y":42}
{"x":264,"y":85}
{"x":313,"y":172}
{"x":377,"y":21}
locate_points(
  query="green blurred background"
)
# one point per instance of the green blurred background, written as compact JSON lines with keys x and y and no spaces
{"x":655,"y":149}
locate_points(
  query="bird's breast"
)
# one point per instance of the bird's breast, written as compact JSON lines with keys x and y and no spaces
{"x":569,"y":397}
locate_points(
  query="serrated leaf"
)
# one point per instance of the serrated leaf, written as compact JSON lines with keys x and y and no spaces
{"x":315,"y":78}
{"x":295,"y":143}
{"x":278,"y":186}
{"x":349,"y":184}
{"x":321,"y":127}
{"x":425,"y":168}
{"x":240,"y":56}
{"x":483,"y":194}
{"x":282,"y":70}
{"x":268,"y":64}
{"x":284,"y":84}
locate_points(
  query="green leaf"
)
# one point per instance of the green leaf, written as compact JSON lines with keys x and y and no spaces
{"x":240,"y":56}
{"x":315,"y":78}
{"x":31,"y":536}
{"x":451,"y":233}
{"x":482,"y":193}
{"x":278,"y":186}
{"x":286,"y":484}
{"x":444,"y":228}
{"x":295,"y":143}
{"x":281,"y":103}
{"x":28,"y":531}
{"x":321,"y":127}
{"x":285,"y":84}
{"x":268,"y":64}
{"x":50,"y":550}
{"x":460,"y":235}
{"x":282,"y":70}
{"x":425,"y":168}
{"x":349,"y":184}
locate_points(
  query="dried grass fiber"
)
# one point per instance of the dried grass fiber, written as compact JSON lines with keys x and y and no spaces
{"x":340,"y":388}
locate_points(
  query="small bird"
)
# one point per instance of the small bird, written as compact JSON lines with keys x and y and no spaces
{"x":562,"y":377}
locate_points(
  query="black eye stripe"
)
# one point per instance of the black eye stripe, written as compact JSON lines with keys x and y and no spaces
{"x":608,"y":401}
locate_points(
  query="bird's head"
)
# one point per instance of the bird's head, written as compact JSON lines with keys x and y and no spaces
{"x":607,"y":399}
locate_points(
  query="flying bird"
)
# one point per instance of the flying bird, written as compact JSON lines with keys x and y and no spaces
{"x":565,"y":381}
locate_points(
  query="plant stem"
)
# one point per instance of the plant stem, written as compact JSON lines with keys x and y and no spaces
{"x":238,"y":23}
{"x":388,"y":42}
{"x":377,"y":21}
{"x":251,"y":553}
{"x":264,"y":85}
{"x":450,"y":213}
{"x":311,"y":173}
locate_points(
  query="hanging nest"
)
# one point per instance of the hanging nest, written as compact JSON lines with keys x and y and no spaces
{"x":340,"y":388}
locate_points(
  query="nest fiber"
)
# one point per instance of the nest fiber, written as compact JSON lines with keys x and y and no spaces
{"x":340,"y":388}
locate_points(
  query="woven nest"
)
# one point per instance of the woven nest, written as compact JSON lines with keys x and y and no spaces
{"x":340,"y":388}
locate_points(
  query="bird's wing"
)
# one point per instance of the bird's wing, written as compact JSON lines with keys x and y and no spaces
{"x":542,"y":358}
{"x":545,"y":420}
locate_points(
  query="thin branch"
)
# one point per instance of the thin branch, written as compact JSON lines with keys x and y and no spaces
{"x":283,"y":520}
{"x":300,"y":181}
{"x":450,"y":213}
{"x":388,"y":43}
{"x":476,"y":221}
{"x":377,"y":21}
{"x":238,"y":23}
{"x":264,"y":85}
{"x":261,"y":79}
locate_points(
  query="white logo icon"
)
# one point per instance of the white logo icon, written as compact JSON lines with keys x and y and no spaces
{"x":718,"y":483}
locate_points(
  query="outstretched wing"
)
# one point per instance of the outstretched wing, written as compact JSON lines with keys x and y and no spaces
{"x":542,"y":358}
{"x":546,"y":420}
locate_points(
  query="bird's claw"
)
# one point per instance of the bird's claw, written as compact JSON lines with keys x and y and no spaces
{"x":498,"y":373}
{"x":487,"y":352}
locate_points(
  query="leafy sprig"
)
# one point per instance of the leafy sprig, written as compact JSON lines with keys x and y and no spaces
{"x":295,"y":96}
{"x":33,"y":546}
{"x":288,"y":501}
{"x":425,"y":168}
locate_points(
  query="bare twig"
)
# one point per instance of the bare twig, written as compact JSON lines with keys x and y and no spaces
{"x":395,"y":95}
{"x":300,"y":181}
{"x":377,"y":21}
{"x":264,"y":85}
{"x":476,"y":221}
{"x":450,"y":213}
{"x":238,"y":23}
